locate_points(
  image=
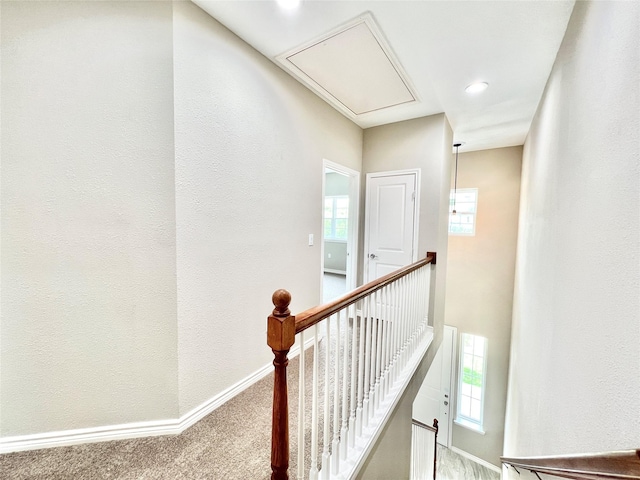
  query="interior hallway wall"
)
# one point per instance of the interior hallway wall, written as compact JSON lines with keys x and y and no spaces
{"x":575,"y":351}
{"x":480,"y":275}
{"x":423,"y":143}
{"x":88,"y":301}
{"x":137,"y":272}
{"x":250,"y":144}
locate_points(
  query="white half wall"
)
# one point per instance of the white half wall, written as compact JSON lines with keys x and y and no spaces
{"x":88,"y":331}
{"x":250,"y":143}
{"x":575,"y":353}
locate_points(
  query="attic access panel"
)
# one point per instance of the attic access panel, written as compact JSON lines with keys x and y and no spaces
{"x":352,"y":68}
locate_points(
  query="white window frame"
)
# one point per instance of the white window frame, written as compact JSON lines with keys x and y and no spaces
{"x":462,"y":212}
{"x":334,"y":199}
{"x":463,"y":420}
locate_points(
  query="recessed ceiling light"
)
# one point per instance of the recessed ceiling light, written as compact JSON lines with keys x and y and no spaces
{"x":288,"y":4}
{"x":476,"y":87}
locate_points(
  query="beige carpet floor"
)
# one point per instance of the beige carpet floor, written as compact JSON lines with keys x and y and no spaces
{"x":233,"y":442}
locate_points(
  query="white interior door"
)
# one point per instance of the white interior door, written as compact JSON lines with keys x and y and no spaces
{"x":434,"y":399}
{"x":390,"y":222}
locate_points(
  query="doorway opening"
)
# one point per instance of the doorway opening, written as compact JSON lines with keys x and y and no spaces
{"x":437,"y":392}
{"x":340,"y":198}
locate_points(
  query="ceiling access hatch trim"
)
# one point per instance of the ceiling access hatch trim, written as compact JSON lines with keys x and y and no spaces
{"x":353,"y":68}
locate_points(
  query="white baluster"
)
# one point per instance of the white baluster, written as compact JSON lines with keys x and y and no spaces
{"x":385,"y":345}
{"x":335,"y":447}
{"x":420,"y":306}
{"x":421,"y":295}
{"x":313,"y":471}
{"x":395,"y":330}
{"x":345,"y":387}
{"x":378,"y":352}
{"x":367,"y":361}
{"x":384,"y":319}
{"x":407,"y":322}
{"x":392,"y":332}
{"x":424,"y":292}
{"x":412,"y":313}
{"x":354,"y":377}
{"x":360,"y":408}
{"x":372,"y":355}
{"x":324,"y":471}
{"x":403,"y":333}
{"x":418,"y":311}
{"x":427,"y":289}
{"x":301,"y":389}
{"x":412,"y":300}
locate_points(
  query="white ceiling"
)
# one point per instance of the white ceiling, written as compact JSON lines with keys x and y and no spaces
{"x":442,"y":46}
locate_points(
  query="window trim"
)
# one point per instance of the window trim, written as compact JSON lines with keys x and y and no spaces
{"x":475,"y":214}
{"x":462,"y":420}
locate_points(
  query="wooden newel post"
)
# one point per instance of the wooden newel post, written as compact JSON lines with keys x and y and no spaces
{"x":281,"y":333}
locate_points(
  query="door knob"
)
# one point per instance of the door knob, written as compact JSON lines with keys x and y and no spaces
{"x":373,"y":255}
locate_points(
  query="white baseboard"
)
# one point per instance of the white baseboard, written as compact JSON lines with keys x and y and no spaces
{"x":190,"y":418}
{"x":125,"y":431}
{"x":89,"y":435}
{"x":473,"y":458}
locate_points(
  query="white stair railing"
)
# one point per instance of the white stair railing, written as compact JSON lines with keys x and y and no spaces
{"x":423,"y":450}
{"x":366,"y":347}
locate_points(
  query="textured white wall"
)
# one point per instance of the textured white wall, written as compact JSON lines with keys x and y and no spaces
{"x":249,"y":147}
{"x":88,"y":236}
{"x":574,"y":383}
{"x":480,"y":274}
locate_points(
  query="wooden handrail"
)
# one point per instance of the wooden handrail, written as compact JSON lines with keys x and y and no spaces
{"x":612,"y":465}
{"x":313,"y":315}
{"x":282,"y":328}
{"x":433,"y":428}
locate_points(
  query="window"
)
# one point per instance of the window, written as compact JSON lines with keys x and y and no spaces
{"x":472,"y":381}
{"x":464,"y":221}
{"x":336,"y":216}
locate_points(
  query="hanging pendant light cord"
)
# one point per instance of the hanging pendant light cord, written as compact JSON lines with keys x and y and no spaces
{"x":455,"y":184}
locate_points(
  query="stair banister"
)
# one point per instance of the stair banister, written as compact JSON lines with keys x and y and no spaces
{"x":376,"y":299}
{"x":622,"y":465}
{"x":314,"y":315}
{"x":417,"y":463}
{"x":281,"y":332}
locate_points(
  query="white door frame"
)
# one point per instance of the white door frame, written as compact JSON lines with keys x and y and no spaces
{"x":453,"y":379}
{"x":416,"y":213}
{"x":352,"y":226}
{"x":432,"y":402}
